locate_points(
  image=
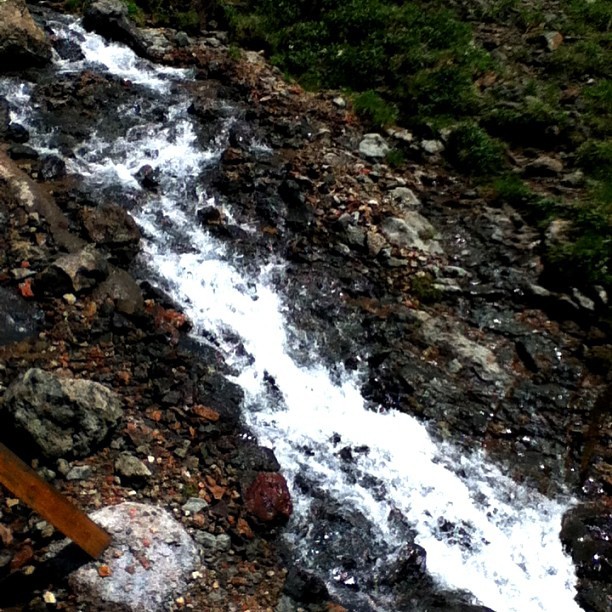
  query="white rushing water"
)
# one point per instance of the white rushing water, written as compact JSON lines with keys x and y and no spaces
{"x":514,"y":560}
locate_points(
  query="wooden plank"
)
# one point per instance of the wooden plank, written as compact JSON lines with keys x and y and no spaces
{"x":30,"y":488}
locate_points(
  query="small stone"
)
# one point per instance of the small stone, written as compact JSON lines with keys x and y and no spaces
{"x":339,"y":101}
{"x":433,"y":147}
{"x":49,"y":598}
{"x":79,"y":472}
{"x":373,"y":146}
{"x":553,"y":40}
{"x":544,"y":166}
{"x":131,"y":467}
{"x":206,"y":540}
{"x":194,"y":505}
{"x":69,"y":298}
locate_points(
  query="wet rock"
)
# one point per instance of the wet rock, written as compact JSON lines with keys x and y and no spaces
{"x":373,"y":146}
{"x":5,"y":117}
{"x":22,"y":42}
{"x":113,"y":229}
{"x":131,"y":467}
{"x":223,"y":396}
{"x":17,"y":133}
{"x":51,"y":167}
{"x":585,"y":531}
{"x":110,"y":19}
{"x":68,"y":49}
{"x":148,"y":177}
{"x":19,"y":319}
{"x":268,"y":498}
{"x":62,"y":416}
{"x":304,"y":587}
{"x":74,"y":273}
{"x":148,"y":563}
{"x":409,"y":565}
{"x":256,"y":458}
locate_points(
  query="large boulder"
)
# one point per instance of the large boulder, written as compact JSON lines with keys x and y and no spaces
{"x":110,"y":19}
{"x":146,"y":567}
{"x":22,"y":42}
{"x":63,"y":417}
{"x":73,"y":273}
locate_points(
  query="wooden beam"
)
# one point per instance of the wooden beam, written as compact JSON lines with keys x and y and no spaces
{"x":30,"y":488}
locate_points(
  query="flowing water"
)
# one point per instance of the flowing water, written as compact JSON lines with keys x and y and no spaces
{"x":483,"y":533}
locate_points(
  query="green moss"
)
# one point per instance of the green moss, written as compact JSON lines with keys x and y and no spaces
{"x":423,"y":288}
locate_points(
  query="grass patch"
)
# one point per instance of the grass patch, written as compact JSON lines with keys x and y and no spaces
{"x":474,"y":152}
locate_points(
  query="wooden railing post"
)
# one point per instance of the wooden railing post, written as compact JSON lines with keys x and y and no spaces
{"x":30,"y":488}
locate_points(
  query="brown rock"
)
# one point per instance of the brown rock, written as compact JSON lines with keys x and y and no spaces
{"x":268,"y":498}
{"x":22,"y":42}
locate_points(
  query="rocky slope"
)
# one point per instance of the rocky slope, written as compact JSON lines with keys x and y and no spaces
{"x":413,"y":277}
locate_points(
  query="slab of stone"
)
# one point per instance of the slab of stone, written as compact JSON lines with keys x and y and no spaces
{"x":147,"y":565}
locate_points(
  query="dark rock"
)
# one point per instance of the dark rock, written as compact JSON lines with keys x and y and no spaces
{"x":268,"y":498}
{"x":299,"y":212}
{"x":113,"y":229}
{"x":409,"y":566}
{"x":586,"y":532}
{"x":123,"y":290}
{"x":62,"y":416}
{"x":22,"y":42}
{"x":256,"y":458}
{"x":68,"y":49}
{"x":74,"y":273}
{"x":223,"y":396}
{"x":110,"y":19}
{"x":51,"y":167}
{"x":17,"y":133}
{"x":18,"y":319}
{"x":5,"y":117}
{"x":148,"y":177}
{"x":21,"y":151}
{"x":304,"y":587}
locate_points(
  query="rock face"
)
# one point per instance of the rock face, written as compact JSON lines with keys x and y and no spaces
{"x":22,"y":42}
{"x":62,"y":416}
{"x":146,"y":566}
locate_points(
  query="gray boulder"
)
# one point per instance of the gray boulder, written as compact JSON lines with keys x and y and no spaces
{"x":373,"y":146}
{"x":62,"y":416}
{"x":149,"y":561}
{"x":22,"y":42}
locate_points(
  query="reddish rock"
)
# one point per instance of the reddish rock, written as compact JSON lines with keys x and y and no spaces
{"x":268,"y":498}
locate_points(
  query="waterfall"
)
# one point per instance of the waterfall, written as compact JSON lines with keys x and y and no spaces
{"x":483,"y":533}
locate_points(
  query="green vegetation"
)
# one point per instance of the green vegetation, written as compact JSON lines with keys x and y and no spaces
{"x":371,"y":107}
{"x":474,"y":152}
